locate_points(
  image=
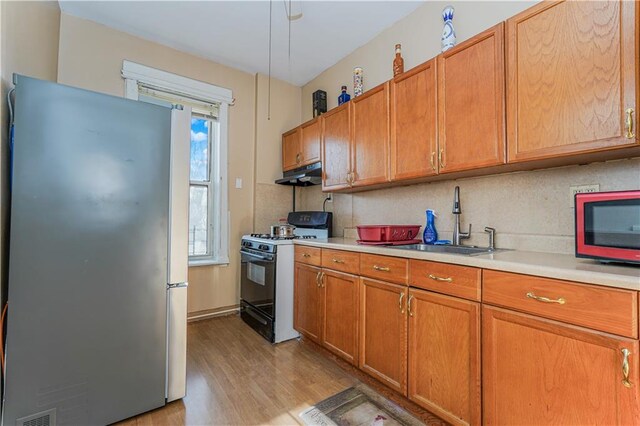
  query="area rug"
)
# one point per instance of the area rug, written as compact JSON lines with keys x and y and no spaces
{"x":357,"y":406}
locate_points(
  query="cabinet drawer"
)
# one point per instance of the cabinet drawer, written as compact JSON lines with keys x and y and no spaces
{"x":385,"y":268}
{"x":309,"y":255}
{"x":605,"y":309}
{"x":339,"y":260}
{"x":455,"y":280}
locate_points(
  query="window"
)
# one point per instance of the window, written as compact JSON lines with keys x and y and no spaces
{"x":206,"y":107}
{"x":204,"y":134}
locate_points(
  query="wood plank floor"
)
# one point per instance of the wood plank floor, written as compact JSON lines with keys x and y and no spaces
{"x":235,"y":377}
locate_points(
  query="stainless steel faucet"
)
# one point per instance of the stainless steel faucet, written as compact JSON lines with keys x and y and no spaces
{"x":457,"y":235}
{"x":492,"y":237}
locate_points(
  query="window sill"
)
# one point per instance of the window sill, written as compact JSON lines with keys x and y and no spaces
{"x":209,"y":262}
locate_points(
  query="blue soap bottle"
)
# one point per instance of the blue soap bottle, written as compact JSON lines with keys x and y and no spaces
{"x":430,"y":235}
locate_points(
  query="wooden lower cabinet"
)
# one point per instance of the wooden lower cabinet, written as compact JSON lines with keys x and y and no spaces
{"x":383,"y":332}
{"x":340,"y":330}
{"x":538,"y":371}
{"x":444,"y":356}
{"x":308,"y":304}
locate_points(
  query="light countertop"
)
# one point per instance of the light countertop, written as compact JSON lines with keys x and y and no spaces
{"x":550,"y":265}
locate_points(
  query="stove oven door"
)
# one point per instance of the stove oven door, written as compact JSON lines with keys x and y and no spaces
{"x":258,"y":282}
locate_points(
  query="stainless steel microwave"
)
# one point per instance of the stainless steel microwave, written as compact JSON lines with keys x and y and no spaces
{"x":608,"y":226}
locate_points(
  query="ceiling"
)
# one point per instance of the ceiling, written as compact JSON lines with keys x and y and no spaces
{"x":236,"y":33}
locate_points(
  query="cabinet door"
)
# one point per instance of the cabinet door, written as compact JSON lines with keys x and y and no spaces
{"x":538,"y":371}
{"x":336,"y":148}
{"x":371,"y":136}
{"x":310,"y":142}
{"x":341,"y":314}
{"x":572,"y":76}
{"x":444,"y":356}
{"x":414,"y":123}
{"x":291,"y":157}
{"x":308,"y":302}
{"x":383,"y":332}
{"x":471,"y":98}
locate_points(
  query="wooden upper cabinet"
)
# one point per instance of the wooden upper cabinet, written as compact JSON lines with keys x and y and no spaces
{"x":414,"y":123}
{"x":571,"y":78}
{"x":471,"y":103}
{"x":540,"y":372}
{"x":291,"y":156}
{"x":336,"y":148}
{"x":310,"y":142}
{"x":370,"y":143}
{"x":444,"y":356}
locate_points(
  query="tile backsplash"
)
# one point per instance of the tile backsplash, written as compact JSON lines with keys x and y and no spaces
{"x":530,"y":210}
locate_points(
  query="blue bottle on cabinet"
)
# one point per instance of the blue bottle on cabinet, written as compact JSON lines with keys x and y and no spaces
{"x":430,"y":235}
{"x":344,"y":96}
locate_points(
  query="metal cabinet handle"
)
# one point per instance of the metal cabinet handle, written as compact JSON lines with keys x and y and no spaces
{"x":433,"y":160}
{"x":400,"y":303}
{"x":337,"y":260}
{"x":409,"y":305}
{"x":440,"y":154}
{"x":625,"y":367}
{"x":322,"y":279}
{"x":559,"y":301}
{"x":381,"y":268}
{"x":298,"y":156}
{"x":306,"y":255}
{"x":318,"y":278}
{"x":349,"y":178}
{"x":436,"y":278}
{"x":630,"y":133}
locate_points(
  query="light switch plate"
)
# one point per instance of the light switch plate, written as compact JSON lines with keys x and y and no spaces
{"x":580,"y":189}
{"x":238,"y":183}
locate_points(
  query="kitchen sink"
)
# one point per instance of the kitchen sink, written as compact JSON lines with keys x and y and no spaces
{"x":468,"y":250}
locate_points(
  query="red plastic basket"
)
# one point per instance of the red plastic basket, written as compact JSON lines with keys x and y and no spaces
{"x":388,"y":232}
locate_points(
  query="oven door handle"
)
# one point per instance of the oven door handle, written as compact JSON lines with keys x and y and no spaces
{"x":257,"y":256}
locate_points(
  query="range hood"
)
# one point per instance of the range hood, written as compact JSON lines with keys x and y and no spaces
{"x":303,"y":176}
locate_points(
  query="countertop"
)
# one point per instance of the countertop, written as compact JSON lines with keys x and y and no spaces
{"x":550,"y":265}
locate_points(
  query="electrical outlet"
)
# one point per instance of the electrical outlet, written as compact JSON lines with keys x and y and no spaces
{"x":580,"y":189}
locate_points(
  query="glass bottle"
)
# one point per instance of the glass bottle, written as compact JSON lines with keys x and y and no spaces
{"x":398,"y":62}
{"x":344,"y":96}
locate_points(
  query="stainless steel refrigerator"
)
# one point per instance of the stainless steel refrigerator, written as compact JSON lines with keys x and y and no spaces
{"x":96,"y":323}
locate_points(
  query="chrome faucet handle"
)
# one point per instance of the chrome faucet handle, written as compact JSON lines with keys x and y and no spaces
{"x":492,"y":237}
{"x":466,"y":235}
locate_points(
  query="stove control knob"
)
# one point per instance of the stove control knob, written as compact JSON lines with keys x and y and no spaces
{"x":263,"y":247}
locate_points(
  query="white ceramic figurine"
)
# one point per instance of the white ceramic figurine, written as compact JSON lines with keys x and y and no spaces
{"x":448,"y":33}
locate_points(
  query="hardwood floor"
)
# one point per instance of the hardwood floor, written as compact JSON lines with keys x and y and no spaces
{"x":236,"y":377}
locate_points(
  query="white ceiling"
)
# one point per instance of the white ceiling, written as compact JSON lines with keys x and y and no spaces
{"x":236,"y":33}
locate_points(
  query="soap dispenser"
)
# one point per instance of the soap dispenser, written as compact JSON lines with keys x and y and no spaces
{"x":430,"y":235}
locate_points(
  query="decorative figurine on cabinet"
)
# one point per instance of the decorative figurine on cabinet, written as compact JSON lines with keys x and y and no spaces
{"x":398,"y":62}
{"x":448,"y":33}
{"x":344,"y":96}
{"x":358,"y":82}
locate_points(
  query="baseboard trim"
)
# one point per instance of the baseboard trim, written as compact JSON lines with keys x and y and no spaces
{"x":212,"y":313}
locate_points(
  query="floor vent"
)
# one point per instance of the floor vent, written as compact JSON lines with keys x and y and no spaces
{"x":43,"y":418}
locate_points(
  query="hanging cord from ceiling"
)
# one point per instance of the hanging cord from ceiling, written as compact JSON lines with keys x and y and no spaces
{"x":269,"y":88}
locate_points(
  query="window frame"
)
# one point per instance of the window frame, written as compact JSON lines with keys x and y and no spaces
{"x":218,"y":201}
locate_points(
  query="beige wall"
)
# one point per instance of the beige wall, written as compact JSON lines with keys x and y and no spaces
{"x":419,"y":33}
{"x":90,"y":57}
{"x":273,"y":202}
{"x":29,"y":34}
{"x":531,"y":210}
